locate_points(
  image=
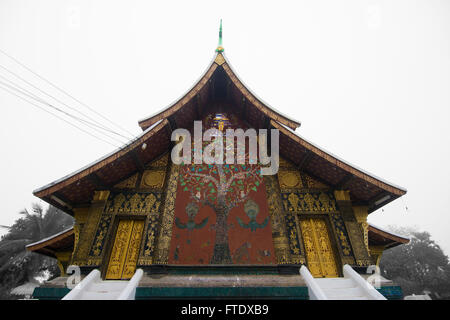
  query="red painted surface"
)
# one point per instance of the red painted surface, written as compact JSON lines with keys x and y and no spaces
{"x":190,"y":247}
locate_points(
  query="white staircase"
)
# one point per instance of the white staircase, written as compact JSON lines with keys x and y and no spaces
{"x":94,"y":288}
{"x":341,"y":289}
{"x":350,"y":287}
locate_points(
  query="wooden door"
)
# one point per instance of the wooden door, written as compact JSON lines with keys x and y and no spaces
{"x":125,"y":251}
{"x":319,"y":251}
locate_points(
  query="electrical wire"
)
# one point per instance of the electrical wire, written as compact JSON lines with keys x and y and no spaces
{"x":55,"y":115}
{"x":65,"y":92}
{"x":63,"y":103}
{"x":38,"y":99}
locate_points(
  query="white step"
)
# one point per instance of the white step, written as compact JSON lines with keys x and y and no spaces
{"x":91,"y":295}
{"x":351,"y":287}
{"x":107,"y":285}
{"x":352,"y":298}
{"x":341,"y":289}
{"x":92,"y":287}
{"x":331,"y":283}
{"x":337,"y":293}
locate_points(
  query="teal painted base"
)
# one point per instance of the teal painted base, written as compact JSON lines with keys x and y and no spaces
{"x":290,"y":293}
{"x":222,"y":269}
{"x":43,"y":293}
{"x":391,"y":292}
{"x":145,"y":293}
{"x":283,"y":293}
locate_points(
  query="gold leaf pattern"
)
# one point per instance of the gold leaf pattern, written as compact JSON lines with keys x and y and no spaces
{"x":319,"y":252}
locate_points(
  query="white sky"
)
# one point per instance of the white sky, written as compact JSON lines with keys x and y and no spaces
{"x":369,"y":80}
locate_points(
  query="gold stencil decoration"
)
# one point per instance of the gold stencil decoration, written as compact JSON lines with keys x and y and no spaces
{"x":160,"y":163}
{"x":138,"y":203}
{"x":316,"y":202}
{"x":293,"y":200}
{"x":279,"y":233}
{"x":290,"y":179}
{"x":285,"y":163}
{"x":357,"y":240}
{"x":76,"y":230}
{"x":135,"y":203}
{"x":122,"y":262}
{"x":165,"y":235}
{"x":118,"y":202}
{"x":153,"y":179}
{"x":87,"y":233}
{"x":129,"y":183}
{"x":314,"y":184}
{"x":319,"y":253}
{"x":219,"y":59}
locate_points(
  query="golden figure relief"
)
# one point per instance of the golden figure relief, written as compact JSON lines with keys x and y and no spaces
{"x":165,"y":235}
{"x":122,"y":261}
{"x":135,"y":202}
{"x":150,"y":201}
{"x":327,"y":205}
{"x":319,"y":252}
{"x":118,"y":201}
{"x":140,"y":203}
{"x":279,"y":232}
{"x":309,"y":201}
{"x":133,"y":249}
{"x":293,"y":199}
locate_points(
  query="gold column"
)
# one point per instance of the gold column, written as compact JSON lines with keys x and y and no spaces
{"x":87,"y":233}
{"x":354,"y":230}
{"x":63,"y":261}
{"x":376,"y":252}
{"x":279,"y":234}
{"x":342,"y":195}
{"x":361,"y":213}
{"x":165,"y":235}
{"x":80,"y":215}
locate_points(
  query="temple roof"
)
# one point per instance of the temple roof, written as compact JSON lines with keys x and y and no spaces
{"x":60,"y":242}
{"x":218,"y":89}
{"x":205,"y":85}
{"x":387,"y":239}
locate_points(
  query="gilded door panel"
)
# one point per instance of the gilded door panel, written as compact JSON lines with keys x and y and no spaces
{"x":312,"y":255}
{"x":119,"y":250}
{"x":326,"y":254}
{"x":133,"y":249}
{"x":319,"y":252}
{"x":125,"y":251}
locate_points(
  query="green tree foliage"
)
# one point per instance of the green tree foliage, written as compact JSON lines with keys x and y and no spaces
{"x":17,"y":265}
{"x":419,"y":266}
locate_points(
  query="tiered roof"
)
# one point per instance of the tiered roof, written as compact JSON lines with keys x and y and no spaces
{"x":220,"y":89}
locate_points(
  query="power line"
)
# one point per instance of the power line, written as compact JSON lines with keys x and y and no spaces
{"x":29,"y":94}
{"x":63,"y":103}
{"x":65,"y":92}
{"x":55,"y":115}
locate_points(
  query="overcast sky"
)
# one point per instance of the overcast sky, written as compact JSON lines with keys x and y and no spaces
{"x":369,"y":80}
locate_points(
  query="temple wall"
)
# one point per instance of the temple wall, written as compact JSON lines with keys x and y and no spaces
{"x":304,"y":197}
{"x":137,"y":197}
{"x":273,"y":236}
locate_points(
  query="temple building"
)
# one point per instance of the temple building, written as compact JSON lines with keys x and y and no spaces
{"x":218,"y":230}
